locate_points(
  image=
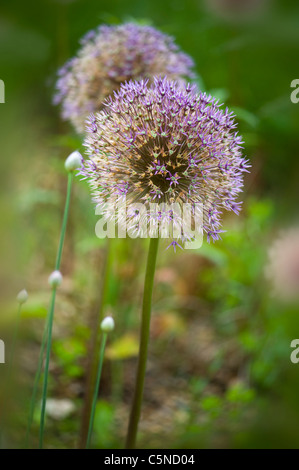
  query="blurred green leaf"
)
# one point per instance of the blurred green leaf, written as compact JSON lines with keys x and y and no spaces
{"x":246,"y":116}
{"x":239,"y":393}
{"x":123,"y":348}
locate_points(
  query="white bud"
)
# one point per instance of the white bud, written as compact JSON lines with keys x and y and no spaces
{"x":107,"y":324}
{"x":73,"y":161}
{"x":55,"y":279}
{"x":22,"y":296}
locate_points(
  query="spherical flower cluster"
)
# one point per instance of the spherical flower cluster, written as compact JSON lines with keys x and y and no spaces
{"x":109,"y":56}
{"x":166,"y":144}
{"x":283,"y":266}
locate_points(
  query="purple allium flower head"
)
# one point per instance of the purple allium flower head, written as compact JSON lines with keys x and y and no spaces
{"x":109,"y":56}
{"x":164,"y":143}
{"x":282,"y":269}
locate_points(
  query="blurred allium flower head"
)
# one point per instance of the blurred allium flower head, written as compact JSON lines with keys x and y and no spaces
{"x":164,"y":143}
{"x":109,"y":56}
{"x":283,"y":265}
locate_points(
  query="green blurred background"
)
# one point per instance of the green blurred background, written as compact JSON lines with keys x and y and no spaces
{"x":219,"y":370}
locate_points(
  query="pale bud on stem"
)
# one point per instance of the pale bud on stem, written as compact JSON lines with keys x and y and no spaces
{"x":55,"y":279}
{"x":73,"y":161}
{"x":107,"y":325}
{"x":22,"y":296}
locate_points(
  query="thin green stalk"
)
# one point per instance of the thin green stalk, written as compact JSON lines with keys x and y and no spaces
{"x":49,"y":320}
{"x":64,"y":220}
{"x":96,"y":389}
{"x":144,"y":340}
{"x":46,"y":373}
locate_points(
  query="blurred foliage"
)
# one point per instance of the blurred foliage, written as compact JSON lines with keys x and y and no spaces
{"x":123,"y":348}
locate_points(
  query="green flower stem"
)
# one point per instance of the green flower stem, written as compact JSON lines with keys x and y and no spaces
{"x":64,"y":220}
{"x":144,"y":340}
{"x":46,"y":372}
{"x":49,"y":320}
{"x":96,"y":389}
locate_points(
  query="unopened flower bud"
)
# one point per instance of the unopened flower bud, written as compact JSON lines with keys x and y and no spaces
{"x":73,"y":161}
{"x":22,"y":296}
{"x":55,"y":279}
{"x":107,"y":325}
